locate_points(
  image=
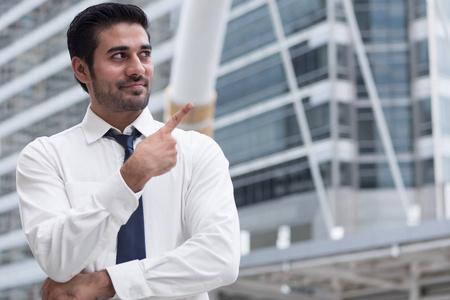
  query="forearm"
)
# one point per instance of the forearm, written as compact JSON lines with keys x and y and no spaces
{"x":195,"y":267}
{"x":82,"y":286}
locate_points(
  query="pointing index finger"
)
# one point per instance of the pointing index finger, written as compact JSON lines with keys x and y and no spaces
{"x":177,"y":117}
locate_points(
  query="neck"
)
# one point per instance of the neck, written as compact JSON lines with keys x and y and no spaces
{"x":119,"y":120}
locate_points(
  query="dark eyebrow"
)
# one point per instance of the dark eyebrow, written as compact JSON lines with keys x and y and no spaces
{"x":146,"y":47}
{"x":118,"y":48}
{"x":125,"y":48}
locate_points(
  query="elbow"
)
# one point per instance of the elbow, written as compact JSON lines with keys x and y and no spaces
{"x":54,"y":272}
{"x":230,"y":270}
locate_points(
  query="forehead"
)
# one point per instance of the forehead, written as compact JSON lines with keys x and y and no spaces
{"x":122,"y":34}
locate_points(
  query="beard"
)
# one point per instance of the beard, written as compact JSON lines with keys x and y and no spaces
{"x":118,"y":100}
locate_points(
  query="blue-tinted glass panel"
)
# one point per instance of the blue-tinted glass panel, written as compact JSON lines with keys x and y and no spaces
{"x":378,"y":175}
{"x":262,"y":135}
{"x":345,"y":120}
{"x":346,"y":173}
{"x":443,"y":56}
{"x":7,"y":183}
{"x":254,"y":83}
{"x":238,"y":2}
{"x":297,"y":15}
{"x":422,"y":66}
{"x":271,"y":183}
{"x":398,"y":120}
{"x":446,"y":168}
{"x":63,"y":119}
{"x":390,"y":70}
{"x":382,"y":21}
{"x":426,"y":174}
{"x":444,"y":110}
{"x":247,"y":33}
{"x":318,"y":120}
{"x":310,"y":64}
{"x":420,"y":9}
{"x":424,"y":114}
{"x":343,"y":61}
{"x":282,"y":180}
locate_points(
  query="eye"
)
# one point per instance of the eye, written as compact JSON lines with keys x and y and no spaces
{"x":146,"y":53}
{"x":119,"y":55}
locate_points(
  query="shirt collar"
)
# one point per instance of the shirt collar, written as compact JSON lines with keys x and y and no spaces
{"x":95,"y":127}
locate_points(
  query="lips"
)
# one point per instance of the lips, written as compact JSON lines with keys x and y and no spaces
{"x":134,"y":85}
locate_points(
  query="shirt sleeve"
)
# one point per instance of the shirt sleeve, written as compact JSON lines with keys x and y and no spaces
{"x":63,"y":239}
{"x":206,"y":260}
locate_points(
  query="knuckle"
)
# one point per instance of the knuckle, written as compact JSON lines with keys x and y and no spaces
{"x":176,"y":119}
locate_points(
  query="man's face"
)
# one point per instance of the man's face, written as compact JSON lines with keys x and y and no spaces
{"x":122,"y":71}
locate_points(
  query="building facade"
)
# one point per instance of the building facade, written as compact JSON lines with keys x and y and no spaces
{"x":331,"y":127}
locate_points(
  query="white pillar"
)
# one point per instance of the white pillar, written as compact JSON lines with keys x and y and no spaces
{"x":196,"y":59}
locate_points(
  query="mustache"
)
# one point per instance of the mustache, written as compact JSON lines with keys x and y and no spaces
{"x":132,"y":79}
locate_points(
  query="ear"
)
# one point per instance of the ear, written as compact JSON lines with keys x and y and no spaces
{"x":81,"y":70}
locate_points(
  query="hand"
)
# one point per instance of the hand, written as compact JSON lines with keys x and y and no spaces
{"x":80,"y":287}
{"x":154,"y":156}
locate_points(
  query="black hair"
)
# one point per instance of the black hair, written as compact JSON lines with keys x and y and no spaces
{"x":82,"y":35}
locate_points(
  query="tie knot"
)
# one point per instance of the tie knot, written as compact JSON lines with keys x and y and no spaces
{"x":125,"y":140}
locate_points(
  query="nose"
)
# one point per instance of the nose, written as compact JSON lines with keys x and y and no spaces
{"x":135,"y":66}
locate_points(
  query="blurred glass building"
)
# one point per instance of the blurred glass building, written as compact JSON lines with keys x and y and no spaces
{"x":332,"y":113}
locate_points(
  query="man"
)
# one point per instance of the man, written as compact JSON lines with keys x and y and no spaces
{"x":77,"y":194}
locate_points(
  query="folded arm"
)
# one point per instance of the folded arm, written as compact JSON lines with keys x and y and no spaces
{"x":65,"y":239}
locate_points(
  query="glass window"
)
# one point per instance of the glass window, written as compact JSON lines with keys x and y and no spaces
{"x":382,"y":21}
{"x":345,"y":120}
{"x":161,"y":76}
{"x":38,"y":93}
{"x":264,"y":134}
{"x":446,"y":168}
{"x":284,"y":179}
{"x":253,"y":83}
{"x":310,"y":65}
{"x":442,"y":56}
{"x":420,"y":9}
{"x":444,"y":109}
{"x":33,"y":57}
{"x":390,"y":70}
{"x":343,"y":61}
{"x":318,"y":120}
{"x":297,"y":15}
{"x":346,"y":173}
{"x":7,"y":183}
{"x":340,"y":12}
{"x":422,"y":65}
{"x":425,"y":122}
{"x":164,"y":27}
{"x":400,"y":128}
{"x":378,"y":175}
{"x":51,"y":125}
{"x":271,"y":183}
{"x":247,"y":33}
{"x":427,"y":171}
{"x":16,"y":254}
{"x":30,"y":291}
{"x":238,"y":2}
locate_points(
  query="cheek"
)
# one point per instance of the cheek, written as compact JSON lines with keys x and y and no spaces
{"x":108,"y":73}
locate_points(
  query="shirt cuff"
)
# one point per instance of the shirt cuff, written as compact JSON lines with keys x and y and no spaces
{"x":118,"y":198}
{"x":128,"y":280}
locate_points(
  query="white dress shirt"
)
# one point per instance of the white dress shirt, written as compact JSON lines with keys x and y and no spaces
{"x":73,"y":201}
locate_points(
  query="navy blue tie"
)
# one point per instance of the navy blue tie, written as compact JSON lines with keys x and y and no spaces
{"x":131,"y":237}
